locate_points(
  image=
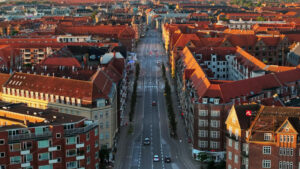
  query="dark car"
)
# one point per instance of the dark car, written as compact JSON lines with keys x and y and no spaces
{"x":153,"y":103}
{"x":167,"y":159}
{"x":146,"y":141}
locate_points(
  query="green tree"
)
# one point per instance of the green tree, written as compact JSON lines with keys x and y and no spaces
{"x":104,"y":155}
{"x":202,"y":156}
{"x":260,"y":18}
{"x":211,"y":165}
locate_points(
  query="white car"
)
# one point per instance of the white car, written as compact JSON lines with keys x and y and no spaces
{"x":155,"y":158}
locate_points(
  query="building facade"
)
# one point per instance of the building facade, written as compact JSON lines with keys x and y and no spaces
{"x":205,"y":103}
{"x":95,"y":99}
{"x":45,"y":139}
{"x":262,"y":137}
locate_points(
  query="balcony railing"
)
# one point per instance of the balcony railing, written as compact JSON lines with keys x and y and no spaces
{"x":75,"y":131}
{"x":29,"y":136}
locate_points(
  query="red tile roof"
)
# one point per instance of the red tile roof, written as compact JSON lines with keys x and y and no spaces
{"x":198,"y":77}
{"x":98,"y":87}
{"x":248,"y":60}
{"x":61,"y":61}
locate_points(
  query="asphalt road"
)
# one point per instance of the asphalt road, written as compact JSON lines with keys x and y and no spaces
{"x":151,"y":121}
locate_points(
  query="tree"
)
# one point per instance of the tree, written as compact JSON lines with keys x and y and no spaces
{"x":104,"y":155}
{"x":260,"y":18}
{"x":211,"y":165}
{"x":221,"y":165}
{"x":202,"y":156}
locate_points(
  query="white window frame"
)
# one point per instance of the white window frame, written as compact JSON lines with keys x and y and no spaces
{"x":268,"y":136}
{"x":267,"y":150}
{"x":266,"y":163}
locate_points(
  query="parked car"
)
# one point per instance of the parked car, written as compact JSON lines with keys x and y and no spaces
{"x":147,"y":141}
{"x":155,"y":158}
{"x":167,"y":159}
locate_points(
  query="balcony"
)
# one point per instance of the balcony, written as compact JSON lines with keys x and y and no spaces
{"x":52,"y":148}
{"x":80,"y":145}
{"x":75,"y":131}
{"x":53,"y":161}
{"x":81,"y":157}
{"x":29,"y":136}
{"x":245,"y":153}
{"x":25,"y":164}
{"x":25,"y":152}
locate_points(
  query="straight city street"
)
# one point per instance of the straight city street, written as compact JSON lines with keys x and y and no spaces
{"x":152,"y":121}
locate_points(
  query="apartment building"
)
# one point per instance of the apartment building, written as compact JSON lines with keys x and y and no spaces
{"x":45,"y":139}
{"x":262,"y":137}
{"x":205,"y":103}
{"x":95,"y":99}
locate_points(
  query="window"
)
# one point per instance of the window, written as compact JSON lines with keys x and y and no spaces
{"x":96,"y":131}
{"x":236,"y":159}
{"x":88,"y":160}
{"x":230,"y":155}
{"x":266,"y":163}
{"x":229,"y":142}
{"x":215,"y":123}
{"x":229,"y":166}
{"x":15,"y":147}
{"x":204,"y":100}
{"x":203,"y":144}
{"x":215,"y":113}
{"x":267,"y":136}
{"x":281,"y":138}
{"x":50,"y":166}
{"x":58,"y":147}
{"x":27,"y":158}
{"x":266,"y":149}
{"x":87,"y":136}
{"x":107,"y":124}
{"x":2,"y":154}
{"x":292,"y":139}
{"x":203,"y":112}
{"x":88,"y":148}
{"x":71,"y":140}
{"x":214,"y":144}
{"x":27,"y":145}
{"x":96,"y":154}
{"x":96,"y":143}
{"x":203,"y":123}
{"x":2,"y":166}
{"x":214,"y":134}
{"x":43,"y":156}
{"x":216,"y":101}
{"x":2,"y":142}
{"x":43,"y":143}
{"x":58,"y":135}
{"x":72,"y":164}
{"x":71,"y":153}
{"x":101,"y":136}
{"x":236,"y":145}
{"x":15,"y":160}
{"x":203,"y":133}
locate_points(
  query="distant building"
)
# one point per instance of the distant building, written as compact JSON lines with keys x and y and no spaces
{"x":260,"y":137}
{"x":36,"y":138}
{"x":294,"y":55}
{"x":205,"y":103}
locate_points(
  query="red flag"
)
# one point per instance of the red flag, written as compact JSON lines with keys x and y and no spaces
{"x":248,"y":113}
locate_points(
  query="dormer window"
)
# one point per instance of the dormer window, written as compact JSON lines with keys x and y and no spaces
{"x":216,"y":101}
{"x":204,"y":100}
{"x":267,"y":136}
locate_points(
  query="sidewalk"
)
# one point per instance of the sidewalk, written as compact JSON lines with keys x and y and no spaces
{"x":124,"y":139}
{"x":184,"y":147}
